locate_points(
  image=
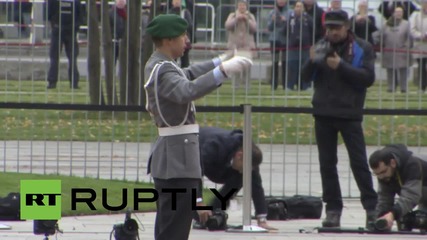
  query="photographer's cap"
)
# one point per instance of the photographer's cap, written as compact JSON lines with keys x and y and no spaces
{"x":336,"y":17}
{"x":167,"y":26}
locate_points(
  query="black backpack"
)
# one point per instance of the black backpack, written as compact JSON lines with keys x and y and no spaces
{"x":10,"y":207}
{"x":296,"y":207}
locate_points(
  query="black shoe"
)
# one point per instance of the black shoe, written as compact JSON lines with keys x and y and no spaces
{"x":75,"y":87}
{"x":198,"y":225}
{"x":371,"y":217}
{"x":332,"y":219}
{"x":51,"y":86}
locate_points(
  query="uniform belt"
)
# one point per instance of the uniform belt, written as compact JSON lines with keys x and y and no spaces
{"x":178,"y":130}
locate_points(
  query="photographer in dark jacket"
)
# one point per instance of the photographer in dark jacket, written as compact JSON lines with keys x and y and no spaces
{"x":342,"y":68}
{"x":65,"y":19}
{"x":399,"y":172}
{"x":221,"y":154}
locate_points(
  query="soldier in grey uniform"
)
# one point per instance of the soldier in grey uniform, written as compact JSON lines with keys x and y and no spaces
{"x":174,"y":161}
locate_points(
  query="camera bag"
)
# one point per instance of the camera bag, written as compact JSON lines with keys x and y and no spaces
{"x":10,"y":207}
{"x":296,"y":207}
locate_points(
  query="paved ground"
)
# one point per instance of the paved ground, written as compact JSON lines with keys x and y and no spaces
{"x":99,"y":227}
{"x":287,"y":170}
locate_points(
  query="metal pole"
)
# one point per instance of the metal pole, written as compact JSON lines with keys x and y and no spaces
{"x":247,"y":174}
{"x":247,"y":164}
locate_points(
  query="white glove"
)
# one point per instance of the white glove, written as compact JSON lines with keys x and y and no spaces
{"x":227,"y":55}
{"x":235,"y":65}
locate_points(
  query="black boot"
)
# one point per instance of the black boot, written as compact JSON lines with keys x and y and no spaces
{"x":332,"y":219}
{"x":371,"y":217}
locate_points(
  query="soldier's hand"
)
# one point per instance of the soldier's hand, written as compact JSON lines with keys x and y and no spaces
{"x":236,"y":64}
{"x":333,"y":61}
{"x":227,"y":55}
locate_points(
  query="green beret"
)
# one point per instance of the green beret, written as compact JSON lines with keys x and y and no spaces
{"x":167,"y":26}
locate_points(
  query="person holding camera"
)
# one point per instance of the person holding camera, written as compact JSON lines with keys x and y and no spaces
{"x":174,"y":161}
{"x":399,"y":172}
{"x":221,"y":156}
{"x":241,"y":27}
{"x":341,"y":67}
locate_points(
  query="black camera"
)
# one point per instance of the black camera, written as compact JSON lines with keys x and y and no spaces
{"x":276,"y":210}
{"x":127,"y":230}
{"x":45,"y":227}
{"x":322,"y":51}
{"x":414,"y":220}
{"x":381,"y":225}
{"x":217,"y":221}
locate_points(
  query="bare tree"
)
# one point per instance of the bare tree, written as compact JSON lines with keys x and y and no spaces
{"x":129,"y":86}
{"x":108,"y":54}
{"x":94,"y":61}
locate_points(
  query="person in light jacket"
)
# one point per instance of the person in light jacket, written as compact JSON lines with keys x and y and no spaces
{"x":396,"y":57}
{"x":418,"y":22}
{"x":241,"y":27}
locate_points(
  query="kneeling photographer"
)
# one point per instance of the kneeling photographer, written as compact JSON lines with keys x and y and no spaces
{"x":400,"y":172}
{"x":221,"y":157}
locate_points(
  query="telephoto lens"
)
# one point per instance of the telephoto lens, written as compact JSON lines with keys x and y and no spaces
{"x":381,"y":225}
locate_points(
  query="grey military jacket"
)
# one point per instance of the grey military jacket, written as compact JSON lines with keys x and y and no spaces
{"x":170,"y":93}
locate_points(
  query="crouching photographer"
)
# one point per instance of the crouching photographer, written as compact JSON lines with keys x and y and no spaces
{"x":400,"y":172}
{"x":221,"y":155}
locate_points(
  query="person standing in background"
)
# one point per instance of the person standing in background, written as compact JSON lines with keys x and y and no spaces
{"x":386,"y":8}
{"x":241,"y":27}
{"x":65,"y":19}
{"x":316,"y":12}
{"x":363,"y":25}
{"x":299,"y":29}
{"x":276,"y":26}
{"x":396,"y":42}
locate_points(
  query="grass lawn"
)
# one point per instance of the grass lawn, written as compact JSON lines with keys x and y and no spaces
{"x":267,"y":128}
{"x":11,"y":182}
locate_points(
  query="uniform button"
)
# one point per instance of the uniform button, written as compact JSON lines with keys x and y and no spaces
{"x":185,"y":140}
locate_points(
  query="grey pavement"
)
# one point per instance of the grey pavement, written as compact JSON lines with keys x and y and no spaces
{"x":286,"y":170}
{"x":99,"y":227}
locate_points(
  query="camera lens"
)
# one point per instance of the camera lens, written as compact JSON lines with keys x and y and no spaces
{"x":381,"y":224}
